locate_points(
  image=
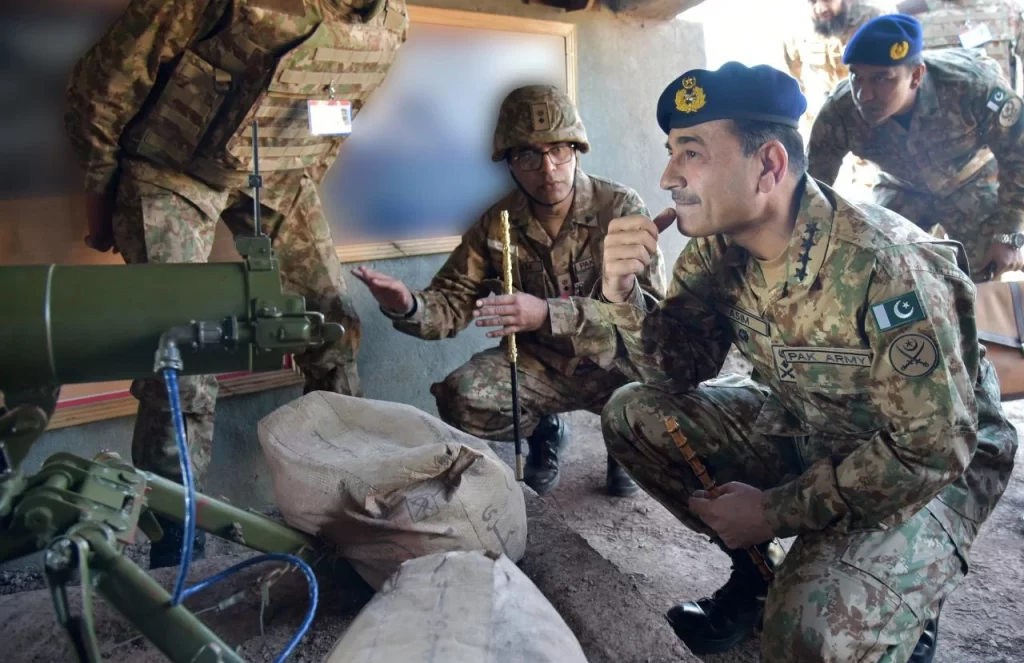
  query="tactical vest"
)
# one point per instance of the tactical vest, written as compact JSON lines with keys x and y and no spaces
{"x":943,"y":27}
{"x":265,"y":65}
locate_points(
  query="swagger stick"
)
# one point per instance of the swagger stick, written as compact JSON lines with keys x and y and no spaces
{"x":709,"y":484}
{"x":506,"y":257}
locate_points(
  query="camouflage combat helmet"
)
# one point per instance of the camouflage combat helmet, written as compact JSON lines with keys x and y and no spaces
{"x":537,"y":114}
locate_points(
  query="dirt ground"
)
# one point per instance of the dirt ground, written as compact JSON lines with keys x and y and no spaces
{"x":982,"y":622}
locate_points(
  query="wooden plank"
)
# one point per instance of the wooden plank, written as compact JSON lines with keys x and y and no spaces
{"x":125,"y":406}
{"x":464,"y":19}
{"x":399,"y":249}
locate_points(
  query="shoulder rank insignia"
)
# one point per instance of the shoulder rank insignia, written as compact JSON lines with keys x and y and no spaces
{"x":810,"y":239}
{"x":691,"y":98}
{"x":898,"y":311}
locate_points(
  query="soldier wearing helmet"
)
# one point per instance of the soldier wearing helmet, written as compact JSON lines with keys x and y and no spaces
{"x":558,"y":217}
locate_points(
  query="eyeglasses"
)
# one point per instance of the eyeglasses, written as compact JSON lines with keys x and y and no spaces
{"x":531,"y":159}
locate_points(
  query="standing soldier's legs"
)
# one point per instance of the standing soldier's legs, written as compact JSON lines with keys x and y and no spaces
{"x":477,"y":398}
{"x":799,"y":624}
{"x":156,"y":225}
{"x":310,"y":268}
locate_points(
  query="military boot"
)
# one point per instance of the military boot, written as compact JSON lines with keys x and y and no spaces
{"x":547,"y":441}
{"x":167,"y":551}
{"x":720,"y":622}
{"x":928,"y":643}
{"x":617,"y":482}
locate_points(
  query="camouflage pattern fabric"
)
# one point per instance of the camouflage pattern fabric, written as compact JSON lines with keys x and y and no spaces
{"x":944,"y":22}
{"x":560,"y":270}
{"x":965,"y":118}
{"x":178,"y":84}
{"x":156,"y":224}
{"x":826,"y":577}
{"x":477,"y":396}
{"x":537,"y":115}
{"x":816,"y":61}
{"x":873,"y":405}
{"x":869,"y":401}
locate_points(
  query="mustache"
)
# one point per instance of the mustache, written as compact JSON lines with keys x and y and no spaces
{"x":684,"y":198}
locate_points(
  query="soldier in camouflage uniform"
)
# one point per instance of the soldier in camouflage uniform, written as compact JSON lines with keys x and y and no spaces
{"x":813,"y":56}
{"x":870,"y":429}
{"x":159,"y":112}
{"x":946,"y":131}
{"x":558,"y":216}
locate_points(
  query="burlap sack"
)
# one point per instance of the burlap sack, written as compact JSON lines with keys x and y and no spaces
{"x":385,"y":482}
{"x":458,"y":607}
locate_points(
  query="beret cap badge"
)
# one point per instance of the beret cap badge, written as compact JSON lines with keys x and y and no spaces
{"x":690,"y":98}
{"x":899,"y":50}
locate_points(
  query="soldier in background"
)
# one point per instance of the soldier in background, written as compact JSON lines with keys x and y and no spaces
{"x":946,"y":131}
{"x":558,"y":217}
{"x":159,"y":113}
{"x":814,"y":55}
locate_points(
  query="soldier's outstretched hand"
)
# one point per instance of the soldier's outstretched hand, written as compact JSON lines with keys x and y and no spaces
{"x":628,"y":247}
{"x":390,"y":293}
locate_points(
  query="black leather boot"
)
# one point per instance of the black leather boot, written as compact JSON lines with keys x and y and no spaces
{"x":618,"y":483}
{"x":167,"y":551}
{"x":547,"y":441}
{"x":928,"y":643}
{"x":720,"y":622}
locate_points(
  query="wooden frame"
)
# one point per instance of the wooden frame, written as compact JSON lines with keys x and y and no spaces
{"x":463,"y":19}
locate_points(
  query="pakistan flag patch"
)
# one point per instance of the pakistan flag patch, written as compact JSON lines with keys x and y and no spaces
{"x":898,"y":311}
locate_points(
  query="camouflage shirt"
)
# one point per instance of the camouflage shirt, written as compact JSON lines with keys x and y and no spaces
{"x":871,"y":357}
{"x":816,"y":61}
{"x":965,"y":116}
{"x":562,"y":271}
{"x":171,"y":88}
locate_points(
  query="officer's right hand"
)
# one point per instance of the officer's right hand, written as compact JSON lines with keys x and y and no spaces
{"x":99,"y":212}
{"x":628,"y":247}
{"x":390,"y":293}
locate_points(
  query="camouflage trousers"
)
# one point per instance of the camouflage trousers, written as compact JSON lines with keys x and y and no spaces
{"x":968,"y":217}
{"x":154,"y":224}
{"x":477,"y":396}
{"x":837,"y":597}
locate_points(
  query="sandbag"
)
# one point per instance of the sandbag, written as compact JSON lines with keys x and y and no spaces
{"x":385,"y":482}
{"x":458,"y":607}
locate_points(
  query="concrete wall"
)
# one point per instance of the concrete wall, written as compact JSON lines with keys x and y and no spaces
{"x":623,"y":67}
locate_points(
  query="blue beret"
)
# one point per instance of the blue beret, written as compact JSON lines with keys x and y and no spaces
{"x":885,"y":41}
{"x":732,"y":92}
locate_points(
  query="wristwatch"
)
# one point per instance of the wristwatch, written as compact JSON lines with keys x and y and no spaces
{"x":1015,"y":239}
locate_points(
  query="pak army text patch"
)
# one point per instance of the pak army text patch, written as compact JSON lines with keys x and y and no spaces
{"x":898,"y":311}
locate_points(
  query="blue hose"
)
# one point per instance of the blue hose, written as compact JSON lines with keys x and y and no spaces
{"x":314,"y":591}
{"x":171,"y":379}
{"x":180,"y":593}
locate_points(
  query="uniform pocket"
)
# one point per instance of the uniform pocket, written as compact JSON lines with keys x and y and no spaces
{"x":177,"y":122}
{"x":833,"y":386}
{"x":916,"y":559}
